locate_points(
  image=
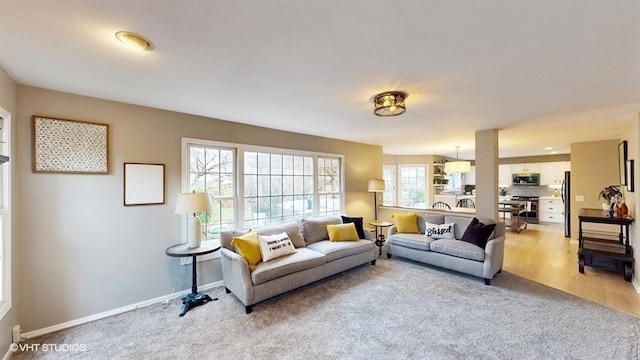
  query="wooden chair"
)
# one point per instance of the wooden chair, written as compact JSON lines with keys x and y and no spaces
{"x":441,"y":206}
{"x":466,"y":203}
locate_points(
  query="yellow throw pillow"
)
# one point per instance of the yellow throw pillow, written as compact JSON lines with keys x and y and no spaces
{"x":248,"y":247}
{"x":406,"y":223}
{"x":342,"y":232}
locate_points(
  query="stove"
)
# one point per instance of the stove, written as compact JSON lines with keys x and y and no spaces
{"x":532,"y":206}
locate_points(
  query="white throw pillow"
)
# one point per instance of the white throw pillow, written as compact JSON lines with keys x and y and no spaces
{"x":273,"y":246}
{"x":435,"y":231}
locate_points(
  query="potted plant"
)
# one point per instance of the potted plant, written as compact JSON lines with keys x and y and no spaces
{"x":610,"y":194}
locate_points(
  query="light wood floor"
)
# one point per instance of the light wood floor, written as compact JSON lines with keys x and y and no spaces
{"x":541,"y":253}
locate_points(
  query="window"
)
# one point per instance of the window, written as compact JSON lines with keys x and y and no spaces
{"x":413,"y":186}
{"x":212,"y":170}
{"x":389,"y":176}
{"x":5,"y":215}
{"x":329,"y":186}
{"x":257,"y":186}
{"x":277,"y":188}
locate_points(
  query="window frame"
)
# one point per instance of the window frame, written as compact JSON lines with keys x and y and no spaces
{"x":239,"y":175}
{"x":6,"y":296}
{"x":390,"y":185}
{"x":427,"y":179}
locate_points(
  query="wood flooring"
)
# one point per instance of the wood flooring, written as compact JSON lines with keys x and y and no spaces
{"x":541,"y":253}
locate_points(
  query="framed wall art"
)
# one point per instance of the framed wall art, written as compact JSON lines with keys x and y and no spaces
{"x":630,"y":176}
{"x":143,"y":184}
{"x":622,"y":162}
{"x":69,"y":146}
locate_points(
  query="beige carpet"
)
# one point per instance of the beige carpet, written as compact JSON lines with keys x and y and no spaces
{"x":394,"y":310}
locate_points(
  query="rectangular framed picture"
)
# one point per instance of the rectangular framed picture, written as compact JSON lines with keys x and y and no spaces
{"x":143,"y":184}
{"x":622,"y":162}
{"x":69,"y":146}
{"x":630,"y":176}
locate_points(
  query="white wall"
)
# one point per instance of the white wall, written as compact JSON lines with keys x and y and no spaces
{"x":82,"y":252}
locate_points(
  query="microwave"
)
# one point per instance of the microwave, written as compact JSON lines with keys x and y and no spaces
{"x":531,"y":179}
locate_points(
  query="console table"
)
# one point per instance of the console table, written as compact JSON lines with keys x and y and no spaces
{"x":605,"y":249}
{"x":182,"y":250}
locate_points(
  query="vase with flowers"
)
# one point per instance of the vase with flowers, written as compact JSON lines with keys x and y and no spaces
{"x":611,"y":194}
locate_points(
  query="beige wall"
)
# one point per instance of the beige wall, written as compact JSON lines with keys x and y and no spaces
{"x":83,"y":252}
{"x":8,"y":102}
{"x":632,"y":135}
{"x":594,"y":165}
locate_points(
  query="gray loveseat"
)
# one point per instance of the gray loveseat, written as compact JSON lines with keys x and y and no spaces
{"x":316,"y":258}
{"x":451,"y":254}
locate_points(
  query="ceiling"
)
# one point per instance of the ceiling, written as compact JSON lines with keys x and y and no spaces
{"x":546,"y":73}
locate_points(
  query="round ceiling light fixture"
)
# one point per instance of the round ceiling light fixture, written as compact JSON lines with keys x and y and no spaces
{"x":390,"y":103}
{"x":134,"y":40}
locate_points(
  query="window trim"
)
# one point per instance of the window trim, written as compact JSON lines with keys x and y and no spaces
{"x":7,"y":299}
{"x":394,"y":179}
{"x":239,"y":150}
{"x":399,"y":188}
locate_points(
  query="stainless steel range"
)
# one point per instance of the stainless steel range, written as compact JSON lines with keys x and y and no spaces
{"x":532,"y":206}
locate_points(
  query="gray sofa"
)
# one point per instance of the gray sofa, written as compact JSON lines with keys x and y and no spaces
{"x":316,"y":258}
{"x":451,"y":254}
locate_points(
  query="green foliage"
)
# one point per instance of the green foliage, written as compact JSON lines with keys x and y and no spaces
{"x":610,"y":192}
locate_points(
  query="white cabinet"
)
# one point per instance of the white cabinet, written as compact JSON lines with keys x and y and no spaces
{"x":526,"y":168}
{"x":553,"y":172}
{"x":551,"y":211}
{"x":504,"y":175}
{"x":470,"y":177}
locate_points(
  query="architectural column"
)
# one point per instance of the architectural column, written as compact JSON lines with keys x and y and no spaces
{"x":487,"y":174}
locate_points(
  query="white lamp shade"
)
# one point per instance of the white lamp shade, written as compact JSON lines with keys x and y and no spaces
{"x":376,"y":185}
{"x":457,"y":167}
{"x":188,"y":203}
{"x":192,"y":203}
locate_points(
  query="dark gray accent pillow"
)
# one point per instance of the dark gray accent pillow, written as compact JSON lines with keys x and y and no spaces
{"x":478,"y":233}
{"x":358,"y":221}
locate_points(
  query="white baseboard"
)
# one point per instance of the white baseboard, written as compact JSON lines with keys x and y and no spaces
{"x":102,"y":315}
{"x":636,"y":284}
{"x":7,"y":355}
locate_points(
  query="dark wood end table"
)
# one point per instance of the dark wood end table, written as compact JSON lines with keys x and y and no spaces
{"x":182,"y":250}
{"x":379,"y":235}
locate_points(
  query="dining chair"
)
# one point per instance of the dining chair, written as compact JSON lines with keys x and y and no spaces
{"x":466,"y":203}
{"x":441,"y":205}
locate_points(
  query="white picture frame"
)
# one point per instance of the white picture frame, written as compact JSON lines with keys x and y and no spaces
{"x":143,"y":184}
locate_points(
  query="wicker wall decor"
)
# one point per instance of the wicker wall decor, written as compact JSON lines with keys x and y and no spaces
{"x":69,"y":146}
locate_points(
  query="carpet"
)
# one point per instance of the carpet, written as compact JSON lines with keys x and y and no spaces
{"x":396,"y":309}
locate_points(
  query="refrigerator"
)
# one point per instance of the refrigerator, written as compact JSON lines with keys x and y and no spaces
{"x":566,"y":200}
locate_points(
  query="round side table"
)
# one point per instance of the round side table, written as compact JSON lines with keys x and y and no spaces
{"x":183,"y":250}
{"x":380,"y":225}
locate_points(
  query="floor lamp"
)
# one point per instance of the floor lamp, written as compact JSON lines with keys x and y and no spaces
{"x":376,"y":186}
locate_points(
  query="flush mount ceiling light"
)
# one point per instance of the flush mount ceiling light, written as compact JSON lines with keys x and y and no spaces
{"x":134,"y":40}
{"x":390,"y":103}
{"x":457,"y":166}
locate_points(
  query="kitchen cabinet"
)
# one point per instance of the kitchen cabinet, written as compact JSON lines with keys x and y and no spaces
{"x":553,"y":172}
{"x":470,"y":177}
{"x":526,"y":168}
{"x":551,"y":210}
{"x":504,"y":175}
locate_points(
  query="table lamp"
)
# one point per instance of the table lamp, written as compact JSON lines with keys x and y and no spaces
{"x":188,"y":203}
{"x":376,"y":186}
